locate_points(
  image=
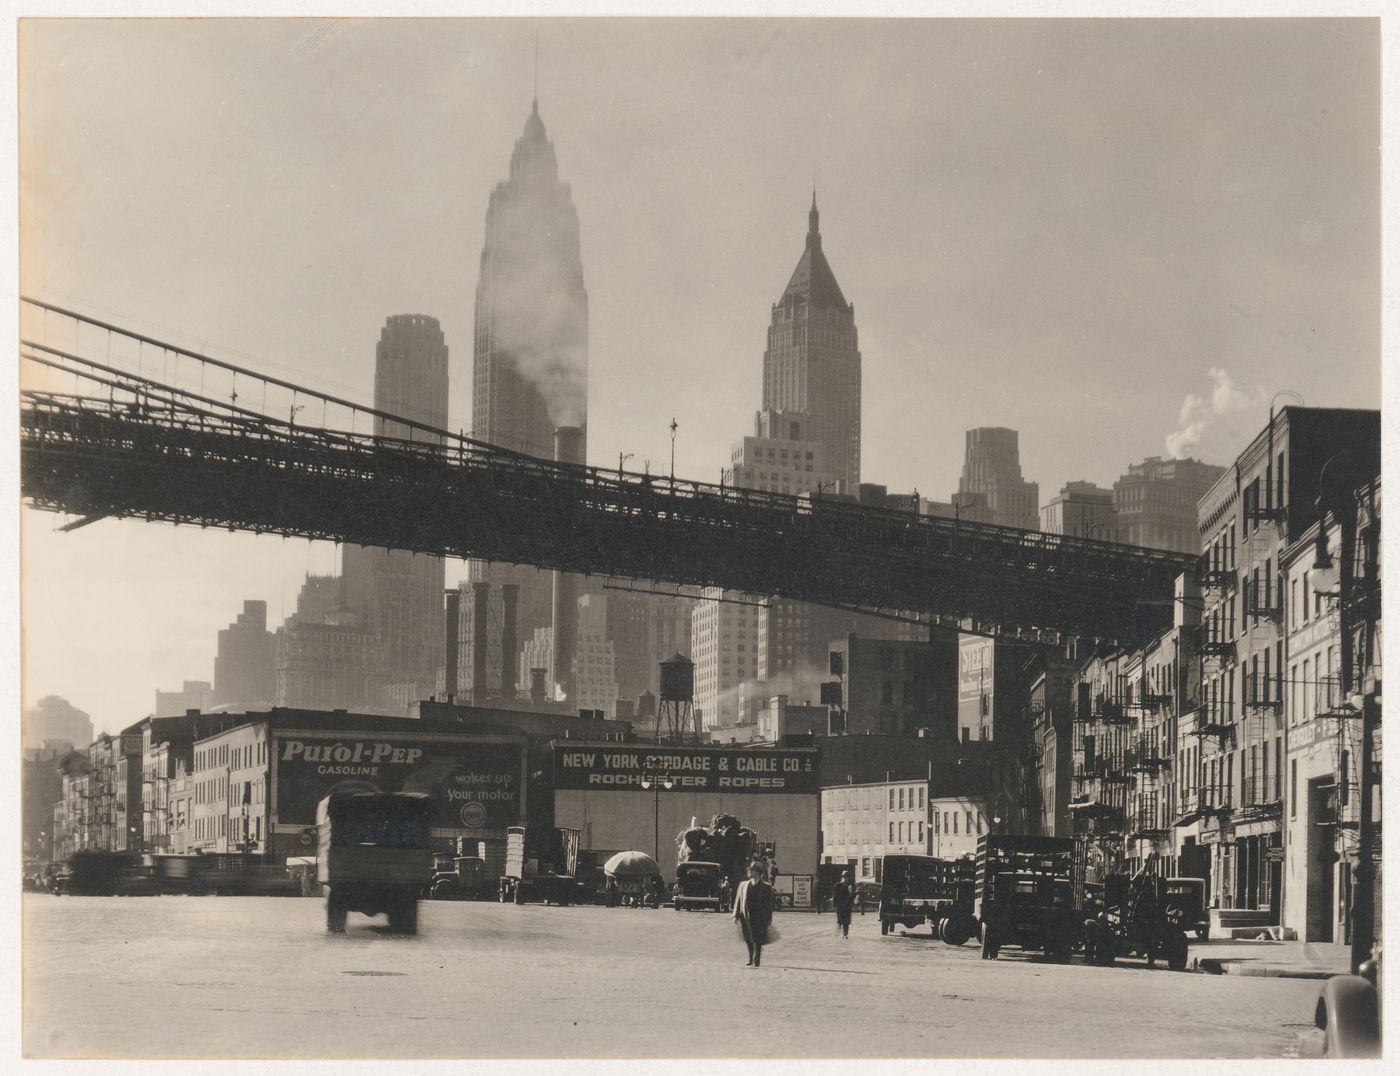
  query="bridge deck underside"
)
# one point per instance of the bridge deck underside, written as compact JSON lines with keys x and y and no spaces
{"x":91,"y":461}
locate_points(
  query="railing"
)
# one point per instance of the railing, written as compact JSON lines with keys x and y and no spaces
{"x":1261,"y":600}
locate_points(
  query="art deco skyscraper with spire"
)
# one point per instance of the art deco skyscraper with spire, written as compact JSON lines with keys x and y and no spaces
{"x":812,"y":363}
{"x":530,"y":353}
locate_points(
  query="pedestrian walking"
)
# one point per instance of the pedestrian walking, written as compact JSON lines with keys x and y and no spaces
{"x":843,"y":897}
{"x":753,"y":911}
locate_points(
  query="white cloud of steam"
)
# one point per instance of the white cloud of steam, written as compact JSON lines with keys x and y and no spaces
{"x":538,"y":301}
{"x":800,"y":685}
{"x":1198,"y":412}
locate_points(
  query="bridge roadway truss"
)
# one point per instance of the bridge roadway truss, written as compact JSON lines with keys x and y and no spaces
{"x":134,"y":447}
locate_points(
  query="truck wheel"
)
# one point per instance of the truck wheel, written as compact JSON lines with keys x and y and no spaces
{"x":884,"y":927}
{"x":335,"y":914}
{"x":954,"y":932}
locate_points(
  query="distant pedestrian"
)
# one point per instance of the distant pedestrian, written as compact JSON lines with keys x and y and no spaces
{"x":843,"y":896}
{"x":753,"y":911}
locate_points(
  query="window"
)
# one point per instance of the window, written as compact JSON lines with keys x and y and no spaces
{"x":955,"y":821}
{"x":921,"y":833}
{"x":901,"y":833}
{"x":921,"y":797}
{"x":969,"y":821}
{"x":1293,"y":788}
{"x":979,"y":821}
{"x":937,"y":819}
{"x":901,"y":799}
{"x":891,"y":799}
{"x":891,"y":833}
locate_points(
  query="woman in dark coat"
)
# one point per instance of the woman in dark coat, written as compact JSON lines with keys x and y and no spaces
{"x":753,"y":910}
{"x":843,"y":897}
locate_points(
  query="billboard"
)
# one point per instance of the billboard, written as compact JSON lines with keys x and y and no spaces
{"x":976,"y":656}
{"x":691,"y":769}
{"x":475,"y":784}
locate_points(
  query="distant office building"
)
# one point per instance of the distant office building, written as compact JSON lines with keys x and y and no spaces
{"x":55,"y":718}
{"x":193,"y":695}
{"x":812,"y":363}
{"x":724,"y":647}
{"x":530,"y":354}
{"x":992,"y":687}
{"x":400,"y":593}
{"x":537,"y":657}
{"x":325,"y":657}
{"x":992,"y":468}
{"x":244,"y":672}
{"x":781,"y":456}
{"x":788,"y":717}
{"x":1156,"y":502}
{"x":595,"y":679}
{"x":897,"y":687}
{"x":643,"y":629}
{"x":967,"y":505}
{"x":1082,"y":510}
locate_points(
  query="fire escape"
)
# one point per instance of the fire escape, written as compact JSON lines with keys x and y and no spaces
{"x":1101,"y":776}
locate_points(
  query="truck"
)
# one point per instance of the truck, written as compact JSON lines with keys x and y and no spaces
{"x":699,"y":885}
{"x":550,"y":878}
{"x":374,"y":855}
{"x":1030,"y":893}
{"x":927,"y":889}
{"x":1136,"y":919}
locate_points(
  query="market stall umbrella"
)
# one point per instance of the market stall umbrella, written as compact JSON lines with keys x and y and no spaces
{"x":631,"y":865}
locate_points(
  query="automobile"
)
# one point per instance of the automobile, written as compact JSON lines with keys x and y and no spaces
{"x":1349,"y":1012}
{"x":1123,"y":928}
{"x":697,"y":885}
{"x":1186,"y":906}
{"x":1030,"y":892}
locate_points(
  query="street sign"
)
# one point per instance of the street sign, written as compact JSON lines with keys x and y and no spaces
{"x":801,"y":890}
{"x":1273,"y":855}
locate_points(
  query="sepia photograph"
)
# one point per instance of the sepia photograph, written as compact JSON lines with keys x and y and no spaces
{"x":899,"y":498}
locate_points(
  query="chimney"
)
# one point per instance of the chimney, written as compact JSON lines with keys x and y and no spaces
{"x":481,"y":599}
{"x":452,"y":633}
{"x":568,"y":448}
{"x":510,"y":659}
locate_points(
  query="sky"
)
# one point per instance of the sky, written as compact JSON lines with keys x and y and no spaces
{"x":1121,"y":237}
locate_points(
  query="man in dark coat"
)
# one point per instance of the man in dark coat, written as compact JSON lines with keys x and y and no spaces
{"x":753,"y":910}
{"x":843,"y":898}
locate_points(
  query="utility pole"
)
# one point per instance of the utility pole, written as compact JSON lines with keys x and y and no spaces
{"x":674,"y":426}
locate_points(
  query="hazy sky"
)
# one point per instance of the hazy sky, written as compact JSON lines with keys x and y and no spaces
{"x":1102,"y":233}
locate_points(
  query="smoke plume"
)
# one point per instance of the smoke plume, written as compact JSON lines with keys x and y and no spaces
{"x":1199,"y":412}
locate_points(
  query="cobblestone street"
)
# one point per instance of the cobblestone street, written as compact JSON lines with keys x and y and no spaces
{"x":244,"y":977}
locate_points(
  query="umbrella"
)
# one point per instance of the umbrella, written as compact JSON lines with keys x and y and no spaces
{"x":631,"y":865}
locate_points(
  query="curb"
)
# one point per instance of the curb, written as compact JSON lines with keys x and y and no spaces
{"x":1227,"y":966}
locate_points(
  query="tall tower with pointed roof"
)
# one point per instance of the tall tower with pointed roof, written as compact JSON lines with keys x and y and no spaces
{"x":812,"y":363}
{"x":530,"y":352}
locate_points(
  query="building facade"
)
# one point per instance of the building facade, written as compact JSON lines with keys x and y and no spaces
{"x":55,"y":718}
{"x":1082,"y":510}
{"x":399,"y":593}
{"x":724,"y":640}
{"x":1252,"y":513}
{"x":862,"y":823}
{"x":992,"y":469}
{"x":244,"y":668}
{"x":530,"y":349}
{"x":897,"y":687}
{"x":812,"y":362}
{"x":1155,"y":502}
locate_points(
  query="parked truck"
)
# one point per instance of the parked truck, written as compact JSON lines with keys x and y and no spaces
{"x":550,"y":878}
{"x":927,"y":889}
{"x":374,"y":855}
{"x":1030,"y":893}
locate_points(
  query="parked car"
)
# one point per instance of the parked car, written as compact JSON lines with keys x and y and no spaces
{"x":697,"y":885}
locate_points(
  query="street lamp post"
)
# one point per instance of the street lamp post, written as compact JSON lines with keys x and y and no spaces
{"x":656,"y":782}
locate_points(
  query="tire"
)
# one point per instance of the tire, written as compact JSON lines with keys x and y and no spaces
{"x":884,"y":927}
{"x":955,"y":932}
{"x":336,"y":913}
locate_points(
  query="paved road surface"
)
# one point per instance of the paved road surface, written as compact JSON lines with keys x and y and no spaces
{"x":250,"y":977}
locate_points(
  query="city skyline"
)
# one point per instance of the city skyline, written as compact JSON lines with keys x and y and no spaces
{"x":1135,"y":251}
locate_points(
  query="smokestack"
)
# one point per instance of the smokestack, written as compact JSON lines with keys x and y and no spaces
{"x":510,"y":658}
{"x":568,"y":448}
{"x":451,"y":634}
{"x":481,"y":599}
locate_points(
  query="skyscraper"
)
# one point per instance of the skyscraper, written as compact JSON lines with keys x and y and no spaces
{"x":1156,"y":502}
{"x":992,"y":467}
{"x":530,"y":354}
{"x":398,"y":593}
{"x":812,"y":363}
{"x":244,"y":673}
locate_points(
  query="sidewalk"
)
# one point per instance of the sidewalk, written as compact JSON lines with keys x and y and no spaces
{"x":1279,"y":959}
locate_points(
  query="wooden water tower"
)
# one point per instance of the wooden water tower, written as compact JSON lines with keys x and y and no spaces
{"x":675,"y":716}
